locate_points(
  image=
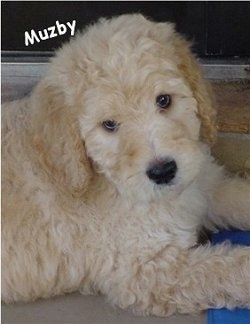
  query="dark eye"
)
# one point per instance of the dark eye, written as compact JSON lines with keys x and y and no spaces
{"x":163,"y":101}
{"x":110,"y":125}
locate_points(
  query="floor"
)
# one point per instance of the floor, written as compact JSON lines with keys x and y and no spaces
{"x":76,"y":309}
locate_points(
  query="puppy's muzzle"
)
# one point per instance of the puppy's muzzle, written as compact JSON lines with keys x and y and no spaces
{"x":162,"y":172}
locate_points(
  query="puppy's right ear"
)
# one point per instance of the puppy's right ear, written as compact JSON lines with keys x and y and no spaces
{"x":202,"y":91}
{"x":56,"y":140}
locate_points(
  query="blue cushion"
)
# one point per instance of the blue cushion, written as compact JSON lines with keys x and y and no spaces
{"x":238,"y":315}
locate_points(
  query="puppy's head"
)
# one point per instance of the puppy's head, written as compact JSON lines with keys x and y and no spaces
{"x":139,"y":102}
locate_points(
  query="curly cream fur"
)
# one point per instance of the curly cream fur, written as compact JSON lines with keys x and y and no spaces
{"x":79,"y":212}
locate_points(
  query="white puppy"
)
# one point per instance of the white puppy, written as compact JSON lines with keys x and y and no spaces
{"x":107,"y":178}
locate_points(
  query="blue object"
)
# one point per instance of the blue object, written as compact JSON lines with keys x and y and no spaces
{"x":223,"y":315}
{"x":235,"y":237}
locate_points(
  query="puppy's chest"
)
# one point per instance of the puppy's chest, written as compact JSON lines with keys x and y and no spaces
{"x":156,"y":224}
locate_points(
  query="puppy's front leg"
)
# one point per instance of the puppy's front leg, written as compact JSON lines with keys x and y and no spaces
{"x":182,"y":281}
{"x":229,"y":205}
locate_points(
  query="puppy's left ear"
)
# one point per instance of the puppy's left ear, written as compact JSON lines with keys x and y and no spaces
{"x":56,"y":141}
{"x":202,"y":91}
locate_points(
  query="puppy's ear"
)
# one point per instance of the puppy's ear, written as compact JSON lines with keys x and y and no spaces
{"x":56,"y":140}
{"x":202,"y":91}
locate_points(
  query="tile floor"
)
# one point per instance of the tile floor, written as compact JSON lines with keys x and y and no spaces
{"x":78,"y":309}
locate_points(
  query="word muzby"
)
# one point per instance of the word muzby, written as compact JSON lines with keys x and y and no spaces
{"x":53,"y":31}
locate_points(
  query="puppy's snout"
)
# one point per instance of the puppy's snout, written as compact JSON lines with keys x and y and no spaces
{"x":162,"y":172}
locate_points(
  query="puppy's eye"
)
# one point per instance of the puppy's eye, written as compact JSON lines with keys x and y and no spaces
{"x":163,"y":101}
{"x":110,"y":125}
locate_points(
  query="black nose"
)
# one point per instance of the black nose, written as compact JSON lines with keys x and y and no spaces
{"x":162,"y":172}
